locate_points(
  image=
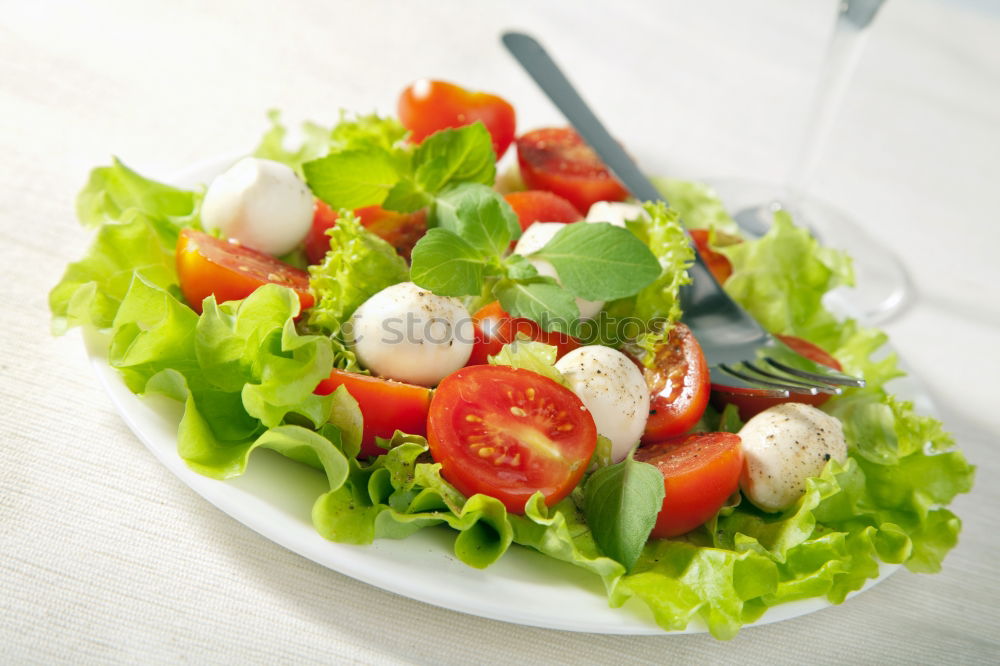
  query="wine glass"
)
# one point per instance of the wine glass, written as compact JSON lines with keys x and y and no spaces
{"x":883,"y":286}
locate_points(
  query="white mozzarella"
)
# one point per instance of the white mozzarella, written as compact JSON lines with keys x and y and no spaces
{"x":411,"y":335}
{"x":534,"y":239}
{"x":782,"y":447}
{"x":614,"y":212}
{"x":261,"y":203}
{"x":613,"y":389}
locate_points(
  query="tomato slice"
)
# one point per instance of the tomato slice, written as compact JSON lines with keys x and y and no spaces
{"x":679,"y":385}
{"x":700,"y":472}
{"x":718,"y":263}
{"x":493,"y":328}
{"x":207,"y":265}
{"x":401,"y":230}
{"x":540,"y":206}
{"x":508,"y":433}
{"x":426,"y":107}
{"x":750,"y":402}
{"x":557,"y":159}
{"x":386,"y":405}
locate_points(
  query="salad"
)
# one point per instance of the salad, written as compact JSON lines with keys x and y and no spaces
{"x":506,"y":356}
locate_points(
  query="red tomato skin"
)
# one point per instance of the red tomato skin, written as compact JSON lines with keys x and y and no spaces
{"x":679,"y":386}
{"x":386,"y":406}
{"x":718,"y":263}
{"x":401,"y":230}
{"x":426,"y":107}
{"x":557,"y":160}
{"x":317,"y":243}
{"x":494,"y":328}
{"x":540,"y":206}
{"x":700,"y":472}
{"x":482,"y":422}
{"x":750,"y":403}
{"x":207,"y":265}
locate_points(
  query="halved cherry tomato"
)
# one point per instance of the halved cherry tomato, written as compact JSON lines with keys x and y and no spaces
{"x":750,"y":402}
{"x":700,"y":472}
{"x":509,"y":433}
{"x":679,"y":385}
{"x":401,"y":230}
{"x":386,"y":406}
{"x":717,"y":263}
{"x":540,"y":206}
{"x":493,"y":328}
{"x":556,"y":159}
{"x":428,"y":106}
{"x":207,"y":265}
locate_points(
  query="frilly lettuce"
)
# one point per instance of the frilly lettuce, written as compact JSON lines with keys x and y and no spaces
{"x":358,"y":265}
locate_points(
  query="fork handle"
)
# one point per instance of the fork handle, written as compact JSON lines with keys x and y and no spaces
{"x":539,"y":64}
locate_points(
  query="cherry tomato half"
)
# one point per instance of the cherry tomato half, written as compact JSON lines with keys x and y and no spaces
{"x":700,"y":472}
{"x":508,"y":433}
{"x":718,"y":263}
{"x":386,"y":405}
{"x":679,"y":385}
{"x":493,"y":328}
{"x":540,"y":206}
{"x":401,"y":230}
{"x":428,"y":106}
{"x":750,"y":402}
{"x":556,"y":159}
{"x":207,"y":265}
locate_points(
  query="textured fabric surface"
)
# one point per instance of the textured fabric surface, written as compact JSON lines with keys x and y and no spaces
{"x":106,"y":557}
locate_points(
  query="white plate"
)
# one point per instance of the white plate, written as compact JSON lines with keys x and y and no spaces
{"x":275,"y":498}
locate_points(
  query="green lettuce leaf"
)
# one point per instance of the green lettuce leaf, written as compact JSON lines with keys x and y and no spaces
{"x":530,"y":355}
{"x":113,"y":190}
{"x":698,"y":205}
{"x":358,"y":265}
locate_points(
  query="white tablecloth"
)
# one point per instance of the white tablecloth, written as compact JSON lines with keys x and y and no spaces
{"x":106,"y":557}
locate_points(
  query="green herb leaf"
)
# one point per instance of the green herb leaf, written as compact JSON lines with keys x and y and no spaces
{"x":352,"y":178}
{"x":479,"y":215}
{"x":447,"y":265}
{"x":460,"y":155}
{"x":621,"y":504}
{"x":598,"y":261}
{"x":540,"y":299}
{"x":519,"y":268}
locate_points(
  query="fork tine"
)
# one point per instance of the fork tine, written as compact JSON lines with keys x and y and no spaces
{"x":723,"y":380}
{"x":760,"y":382}
{"x":772,"y":375}
{"x":820,"y":374}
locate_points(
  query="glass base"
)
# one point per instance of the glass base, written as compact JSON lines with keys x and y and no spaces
{"x":882,"y":286}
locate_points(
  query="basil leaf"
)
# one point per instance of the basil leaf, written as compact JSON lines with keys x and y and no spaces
{"x":406,"y":197}
{"x":464,"y":154}
{"x":621,"y":503}
{"x":447,"y":265}
{"x":519,"y":268}
{"x":540,"y":299}
{"x":598,"y":261}
{"x":352,"y":178}
{"x":479,"y":215}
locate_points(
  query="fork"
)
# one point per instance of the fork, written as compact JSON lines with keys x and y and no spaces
{"x":740,"y":353}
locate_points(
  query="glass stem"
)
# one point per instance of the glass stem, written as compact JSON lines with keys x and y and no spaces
{"x":839,"y":65}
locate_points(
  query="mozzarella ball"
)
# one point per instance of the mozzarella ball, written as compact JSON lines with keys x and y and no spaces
{"x":782,"y":447}
{"x":411,"y":335}
{"x":613,"y":389}
{"x":534,"y":239}
{"x":261,"y":203}
{"x":615,"y":212}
